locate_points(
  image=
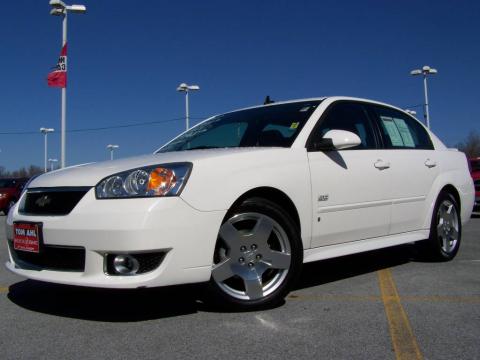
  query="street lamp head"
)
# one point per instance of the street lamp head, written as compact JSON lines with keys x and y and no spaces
{"x":46,"y":130}
{"x":57,"y":4}
{"x":52,"y":160}
{"x":411,"y":112}
{"x":57,"y":12}
{"x":79,"y":9}
{"x":185,"y":87}
{"x":426,"y":70}
{"x":111,"y":147}
{"x":60,"y":8}
{"x":182,"y":87}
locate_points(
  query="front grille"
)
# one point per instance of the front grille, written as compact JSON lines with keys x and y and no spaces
{"x":52,"y":201}
{"x":61,"y":258}
{"x":477,"y":185}
{"x":147,"y":261}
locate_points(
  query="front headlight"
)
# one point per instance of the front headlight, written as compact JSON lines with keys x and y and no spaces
{"x":156,"y":180}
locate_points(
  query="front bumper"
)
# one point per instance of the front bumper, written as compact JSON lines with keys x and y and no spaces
{"x":168,"y":224}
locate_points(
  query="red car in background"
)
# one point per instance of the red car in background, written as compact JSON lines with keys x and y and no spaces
{"x":10,"y":190}
{"x":475,"y":171}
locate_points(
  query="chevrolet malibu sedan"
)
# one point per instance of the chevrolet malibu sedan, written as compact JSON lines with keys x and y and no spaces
{"x":243,"y":199}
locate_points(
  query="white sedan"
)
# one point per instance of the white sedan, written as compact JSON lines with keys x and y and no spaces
{"x":243,"y":199}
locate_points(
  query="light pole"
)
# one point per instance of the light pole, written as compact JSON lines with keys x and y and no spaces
{"x":59,"y":8}
{"x":112,"y":148}
{"x":52,"y":161}
{"x":45,"y":132}
{"x":187,"y":88}
{"x":426,"y":70}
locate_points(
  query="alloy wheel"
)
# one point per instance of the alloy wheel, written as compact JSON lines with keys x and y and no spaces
{"x":253,"y":256}
{"x":447,"y":226}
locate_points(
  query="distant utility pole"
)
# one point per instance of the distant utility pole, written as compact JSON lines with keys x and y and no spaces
{"x":52,"y":161}
{"x":426,"y":70}
{"x":111,"y":148}
{"x":187,"y":88}
{"x":45,"y":132}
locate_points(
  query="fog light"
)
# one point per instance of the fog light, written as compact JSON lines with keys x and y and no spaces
{"x":125,"y":264}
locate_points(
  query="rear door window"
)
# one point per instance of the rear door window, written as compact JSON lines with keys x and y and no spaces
{"x":399,"y":131}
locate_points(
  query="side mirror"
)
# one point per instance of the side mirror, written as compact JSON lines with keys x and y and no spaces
{"x":337,"y":140}
{"x":342,"y":139}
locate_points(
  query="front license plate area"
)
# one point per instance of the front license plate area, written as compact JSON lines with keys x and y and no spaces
{"x":26,"y":237}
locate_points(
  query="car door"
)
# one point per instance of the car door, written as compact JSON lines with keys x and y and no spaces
{"x":413,"y":166}
{"x":350,"y":188}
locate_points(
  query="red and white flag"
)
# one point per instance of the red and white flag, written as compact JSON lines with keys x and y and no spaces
{"x":58,"y":77}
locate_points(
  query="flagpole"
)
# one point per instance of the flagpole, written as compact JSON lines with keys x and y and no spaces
{"x":64,"y":101}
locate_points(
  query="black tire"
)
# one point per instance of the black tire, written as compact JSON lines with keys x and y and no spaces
{"x":445,"y":230}
{"x":244,"y":226}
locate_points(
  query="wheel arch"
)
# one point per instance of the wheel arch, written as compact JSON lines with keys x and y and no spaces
{"x":452,"y":190}
{"x":274,"y":195}
{"x":445,"y":187}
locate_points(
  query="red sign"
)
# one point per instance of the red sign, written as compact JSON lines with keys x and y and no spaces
{"x":26,"y":237}
{"x":58,"y":77}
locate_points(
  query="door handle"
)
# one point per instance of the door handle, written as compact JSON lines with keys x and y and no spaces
{"x":430,"y":163}
{"x":380,"y":164}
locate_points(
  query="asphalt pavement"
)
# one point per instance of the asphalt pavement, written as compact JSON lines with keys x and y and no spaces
{"x":382,"y":304}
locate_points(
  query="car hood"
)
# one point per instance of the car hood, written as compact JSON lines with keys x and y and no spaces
{"x":90,"y":174}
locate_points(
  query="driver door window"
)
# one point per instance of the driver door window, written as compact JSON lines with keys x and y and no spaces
{"x":351,"y":117}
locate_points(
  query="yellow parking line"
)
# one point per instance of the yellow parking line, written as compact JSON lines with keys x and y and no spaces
{"x":403,"y":339}
{"x":3,"y":289}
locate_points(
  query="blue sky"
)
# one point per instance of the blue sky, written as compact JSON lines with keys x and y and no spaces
{"x":126,"y":59}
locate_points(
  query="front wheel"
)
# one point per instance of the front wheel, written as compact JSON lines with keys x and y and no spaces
{"x":257,"y":257}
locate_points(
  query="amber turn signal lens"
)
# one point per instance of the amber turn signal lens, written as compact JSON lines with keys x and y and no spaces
{"x":161,"y":180}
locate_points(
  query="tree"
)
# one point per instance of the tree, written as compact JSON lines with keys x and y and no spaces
{"x":471,"y":145}
{"x":23,"y":172}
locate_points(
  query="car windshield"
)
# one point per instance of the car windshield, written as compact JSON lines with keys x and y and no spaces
{"x":7,"y":183}
{"x":267,"y":126}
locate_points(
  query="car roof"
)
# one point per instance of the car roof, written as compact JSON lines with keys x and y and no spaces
{"x":332,"y":98}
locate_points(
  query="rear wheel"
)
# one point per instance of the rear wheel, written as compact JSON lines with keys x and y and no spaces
{"x":257,"y":257}
{"x":446,"y":229}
